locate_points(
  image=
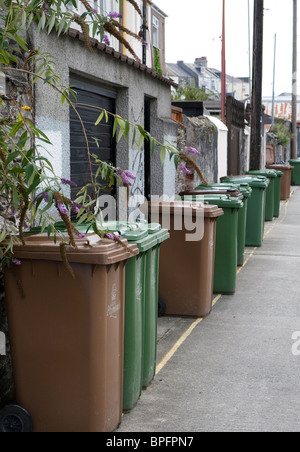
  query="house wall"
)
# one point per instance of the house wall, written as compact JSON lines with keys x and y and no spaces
{"x":132,"y":86}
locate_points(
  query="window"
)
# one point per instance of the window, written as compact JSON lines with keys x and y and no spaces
{"x":2,"y":84}
{"x":213,"y":84}
{"x":155,"y":32}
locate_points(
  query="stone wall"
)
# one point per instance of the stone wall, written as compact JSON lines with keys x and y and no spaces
{"x":201,"y":134}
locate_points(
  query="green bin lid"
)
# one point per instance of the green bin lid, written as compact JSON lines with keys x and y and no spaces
{"x":269,"y":173}
{"x":294,"y":161}
{"x":133,"y":232}
{"x":253,"y":181}
{"x":153,"y":228}
{"x":222,"y":201}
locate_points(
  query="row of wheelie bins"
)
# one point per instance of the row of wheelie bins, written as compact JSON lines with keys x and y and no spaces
{"x":84,"y":341}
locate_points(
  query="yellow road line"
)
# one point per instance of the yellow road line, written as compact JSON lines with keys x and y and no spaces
{"x":176,"y":346}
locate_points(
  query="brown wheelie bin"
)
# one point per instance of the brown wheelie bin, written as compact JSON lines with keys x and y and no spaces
{"x":67,"y":334}
{"x":186,"y":273}
{"x":286,"y":180}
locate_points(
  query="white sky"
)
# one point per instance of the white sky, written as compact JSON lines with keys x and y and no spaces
{"x":194,"y":28}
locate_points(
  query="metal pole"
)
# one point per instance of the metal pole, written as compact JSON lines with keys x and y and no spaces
{"x":223,"y":78}
{"x":256,"y":113}
{"x":274,"y":71}
{"x":249,"y":48}
{"x":294,"y":96}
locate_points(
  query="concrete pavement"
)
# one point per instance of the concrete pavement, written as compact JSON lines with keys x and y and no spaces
{"x":235,"y":370}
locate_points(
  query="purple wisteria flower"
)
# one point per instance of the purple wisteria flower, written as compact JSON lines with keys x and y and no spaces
{"x":191,"y":150}
{"x":129,"y":174}
{"x":145,"y":43}
{"x":106,"y":40}
{"x":110,"y":236}
{"x":16,"y":261}
{"x":184,"y":169}
{"x":114,"y":15}
{"x":68,"y":182}
{"x":43,"y":195}
{"x":125,"y":176}
{"x":62,"y":208}
{"x":81,"y":235}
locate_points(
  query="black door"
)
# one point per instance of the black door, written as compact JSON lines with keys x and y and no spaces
{"x":90,"y":94}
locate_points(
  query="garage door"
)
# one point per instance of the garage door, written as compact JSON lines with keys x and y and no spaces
{"x":90,"y":93}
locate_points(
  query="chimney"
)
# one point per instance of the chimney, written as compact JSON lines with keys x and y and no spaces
{"x":201,"y":62}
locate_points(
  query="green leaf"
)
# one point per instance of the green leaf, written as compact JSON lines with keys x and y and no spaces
{"x":61,"y":26}
{"x":163,"y":154}
{"x":141,"y":142}
{"x":29,"y":171}
{"x":127,"y":128}
{"x":3,"y":235}
{"x":33,"y":186}
{"x":176,"y":161}
{"x":115,"y":126}
{"x":15,"y":197}
{"x":121,"y":133}
{"x":42,"y":22}
{"x":11,"y":157}
{"x":133,"y":138}
{"x":51,"y":23}
{"x":16,"y":127}
{"x":153,"y":145}
{"x":142,"y":131}
{"x":99,"y":119}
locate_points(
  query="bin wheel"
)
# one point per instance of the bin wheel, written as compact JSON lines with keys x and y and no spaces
{"x":15,"y":419}
{"x":162,"y":307}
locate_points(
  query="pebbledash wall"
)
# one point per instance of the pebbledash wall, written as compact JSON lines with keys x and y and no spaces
{"x":132,"y":83}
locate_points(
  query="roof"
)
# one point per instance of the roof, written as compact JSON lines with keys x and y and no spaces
{"x":76,"y":34}
{"x":175,"y":69}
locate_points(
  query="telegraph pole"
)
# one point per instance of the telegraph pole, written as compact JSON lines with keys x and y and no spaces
{"x":294,"y":95}
{"x":273,"y":93}
{"x":223,"y":77}
{"x":256,"y":113}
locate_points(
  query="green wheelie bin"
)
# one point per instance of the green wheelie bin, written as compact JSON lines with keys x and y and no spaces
{"x":246,"y":191}
{"x":277,"y":191}
{"x":296,"y":171}
{"x":141,"y":304}
{"x":256,"y":206}
{"x":226,"y":240}
{"x":271,"y":191}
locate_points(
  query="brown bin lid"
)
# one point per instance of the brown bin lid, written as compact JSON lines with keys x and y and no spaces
{"x":91,"y":250}
{"x":176,"y":208}
{"x":279,"y":167}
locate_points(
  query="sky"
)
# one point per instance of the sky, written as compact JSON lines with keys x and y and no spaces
{"x":194,"y":29}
